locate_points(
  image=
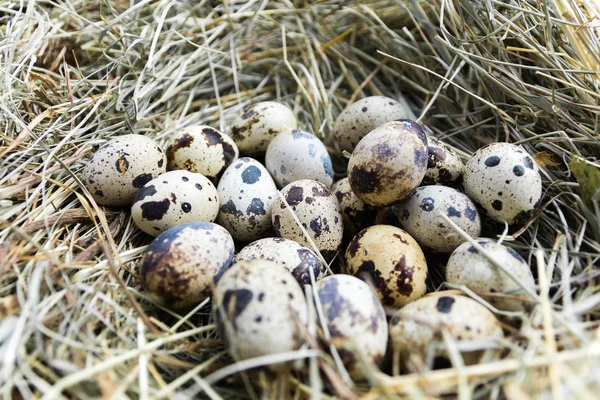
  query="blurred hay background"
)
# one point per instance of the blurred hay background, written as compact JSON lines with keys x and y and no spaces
{"x":75,"y":73}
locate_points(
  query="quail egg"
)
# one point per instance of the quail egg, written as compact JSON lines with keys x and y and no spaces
{"x":364,"y":115}
{"x":318,"y":211}
{"x":505,"y":181}
{"x":420,"y":216}
{"x":247,"y":193}
{"x":295,"y":155}
{"x":173,"y":198}
{"x":468,"y":267}
{"x":355,"y":319}
{"x":357,"y":215}
{"x":444,"y":166}
{"x":391,"y":260}
{"x":388,"y":163}
{"x":259,"y":308}
{"x":121,"y":167}
{"x":259,"y":124}
{"x":202,"y":149}
{"x":182,"y":263}
{"x":298,"y":259}
{"x":420,"y":323}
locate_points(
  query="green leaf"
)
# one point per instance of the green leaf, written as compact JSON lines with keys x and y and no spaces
{"x":588,"y":176}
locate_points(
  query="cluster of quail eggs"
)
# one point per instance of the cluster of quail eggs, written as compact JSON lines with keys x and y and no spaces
{"x":268,"y":190}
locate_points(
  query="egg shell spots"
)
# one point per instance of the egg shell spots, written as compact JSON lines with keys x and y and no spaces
{"x":258,"y":125}
{"x":420,"y":216}
{"x":318,"y":211}
{"x":505,"y":181}
{"x":258,"y":306}
{"x":202,"y":149}
{"x":295,"y":155}
{"x":357,"y":215}
{"x":173,"y":198}
{"x":468,"y":267}
{"x":362,"y":116}
{"x":180,"y":265}
{"x":444,"y":166}
{"x":121,"y":167}
{"x":419,"y":323}
{"x":247,"y":194}
{"x":355,"y":319}
{"x":296,"y":258}
{"x":388,"y":163}
{"x":391,"y":260}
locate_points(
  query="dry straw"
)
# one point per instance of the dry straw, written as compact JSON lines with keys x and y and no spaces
{"x":73,"y":74}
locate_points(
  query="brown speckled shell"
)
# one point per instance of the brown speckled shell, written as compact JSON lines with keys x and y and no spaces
{"x":444,"y":166}
{"x":357,"y":214}
{"x":391,"y":260}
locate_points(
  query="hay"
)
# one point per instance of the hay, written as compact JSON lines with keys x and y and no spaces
{"x":76,"y":73}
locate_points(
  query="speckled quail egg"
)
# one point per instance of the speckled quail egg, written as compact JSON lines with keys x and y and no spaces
{"x":202,"y":149}
{"x":173,"y":198}
{"x":364,"y":115}
{"x":182,"y":263}
{"x":391,"y":260}
{"x":259,"y":124}
{"x":388,"y":163}
{"x":295,"y":155}
{"x":258,"y":308}
{"x":505,"y":181}
{"x":318,"y":211}
{"x":420,"y":323}
{"x":355,"y":319}
{"x":247,"y":193}
{"x":357,"y":215}
{"x":297,"y":258}
{"x":421,"y":216}
{"x":468,"y":267}
{"x":121,"y":167}
{"x":444,"y":166}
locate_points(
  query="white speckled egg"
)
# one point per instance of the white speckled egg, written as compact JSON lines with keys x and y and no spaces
{"x":182,"y":263}
{"x":388,"y":163}
{"x":121,"y":167}
{"x":247,"y":193}
{"x":420,"y":216}
{"x":468,"y":267}
{"x":258,"y":309}
{"x":297,"y":258}
{"x":202,"y":149}
{"x":173,"y":198}
{"x":444,"y":166}
{"x":505,"y":181}
{"x":295,"y":155}
{"x":355,"y":319}
{"x":357,"y":215}
{"x":259,"y":124}
{"x":391,"y":260}
{"x":419,"y":324}
{"x":318,"y":211}
{"x":364,"y":115}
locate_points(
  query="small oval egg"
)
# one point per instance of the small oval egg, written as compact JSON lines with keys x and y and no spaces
{"x":181,"y":264}
{"x":173,"y":198}
{"x":505,"y":181}
{"x":364,"y":115}
{"x":258,"y":308}
{"x":202,"y":149}
{"x":295,"y":155}
{"x":121,"y":167}
{"x":420,"y":216}
{"x":355,"y":319}
{"x":444,"y":166}
{"x":419,"y":324}
{"x":388,"y":163}
{"x":357,"y":215}
{"x":318,"y":211}
{"x":247,"y":194}
{"x":391,"y":260}
{"x":296,"y":258}
{"x":472,"y":269}
{"x":259,"y":124}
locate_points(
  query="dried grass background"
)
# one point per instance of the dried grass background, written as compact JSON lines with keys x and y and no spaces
{"x":75,"y":73}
